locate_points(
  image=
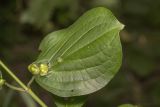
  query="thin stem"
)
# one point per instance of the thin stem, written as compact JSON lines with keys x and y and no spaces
{"x":14,"y":87}
{"x":30,"y":81}
{"x":28,"y":90}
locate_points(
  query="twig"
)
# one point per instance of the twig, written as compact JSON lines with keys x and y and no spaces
{"x":28,"y":90}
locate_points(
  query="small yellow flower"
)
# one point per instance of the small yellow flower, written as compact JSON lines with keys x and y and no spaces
{"x":43,"y":69}
{"x":34,"y":69}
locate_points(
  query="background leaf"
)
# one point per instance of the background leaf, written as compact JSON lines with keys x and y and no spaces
{"x":9,"y":96}
{"x":70,"y":102}
{"x":127,"y":105}
{"x":28,"y":100}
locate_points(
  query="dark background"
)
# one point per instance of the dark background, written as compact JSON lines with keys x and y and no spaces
{"x":24,"y":23}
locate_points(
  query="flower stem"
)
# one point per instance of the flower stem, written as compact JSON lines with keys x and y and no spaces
{"x":14,"y":87}
{"x":28,"y":90}
{"x":30,"y":81}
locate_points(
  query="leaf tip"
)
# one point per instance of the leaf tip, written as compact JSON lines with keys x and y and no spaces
{"x":121,"y":26}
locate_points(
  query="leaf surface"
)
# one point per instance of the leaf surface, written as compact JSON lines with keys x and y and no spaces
{"x":70,"y":102}
{"x":84,"y":57}
{"x":127,"y":105}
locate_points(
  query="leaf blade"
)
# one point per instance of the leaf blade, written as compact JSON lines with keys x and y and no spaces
{"x":83,"y":57}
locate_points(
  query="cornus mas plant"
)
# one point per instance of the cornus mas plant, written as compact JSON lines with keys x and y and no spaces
{"x":76,"y":61}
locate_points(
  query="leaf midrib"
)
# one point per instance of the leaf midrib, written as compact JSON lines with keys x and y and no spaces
{"x":92,"y":41}
{"x":114,"y":36}
{"x":67,"y":39}
{"x":73,"y":35}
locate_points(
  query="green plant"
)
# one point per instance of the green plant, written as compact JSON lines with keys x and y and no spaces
{"x":76,"y":61}
{"x":128,"y":105}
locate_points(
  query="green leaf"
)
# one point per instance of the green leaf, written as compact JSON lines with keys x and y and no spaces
{"x":39,"y":12}
{"x":84,"y":57}
{"x":127,"y":105}
{"x":70,"y":102}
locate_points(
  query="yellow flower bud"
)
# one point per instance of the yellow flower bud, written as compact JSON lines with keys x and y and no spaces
{"x":43,"y":69}
{"x":2,"y":82}
{"x":34,"y":69}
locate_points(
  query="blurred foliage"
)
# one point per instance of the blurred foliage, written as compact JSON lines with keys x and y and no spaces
{"x":8,"y":98}
{"x":23,"y":23}
{"x":28,"y":100}
{"x":127,"y":105}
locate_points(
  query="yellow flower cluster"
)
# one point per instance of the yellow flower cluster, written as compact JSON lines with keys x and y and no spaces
{"x":41,"y":69}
